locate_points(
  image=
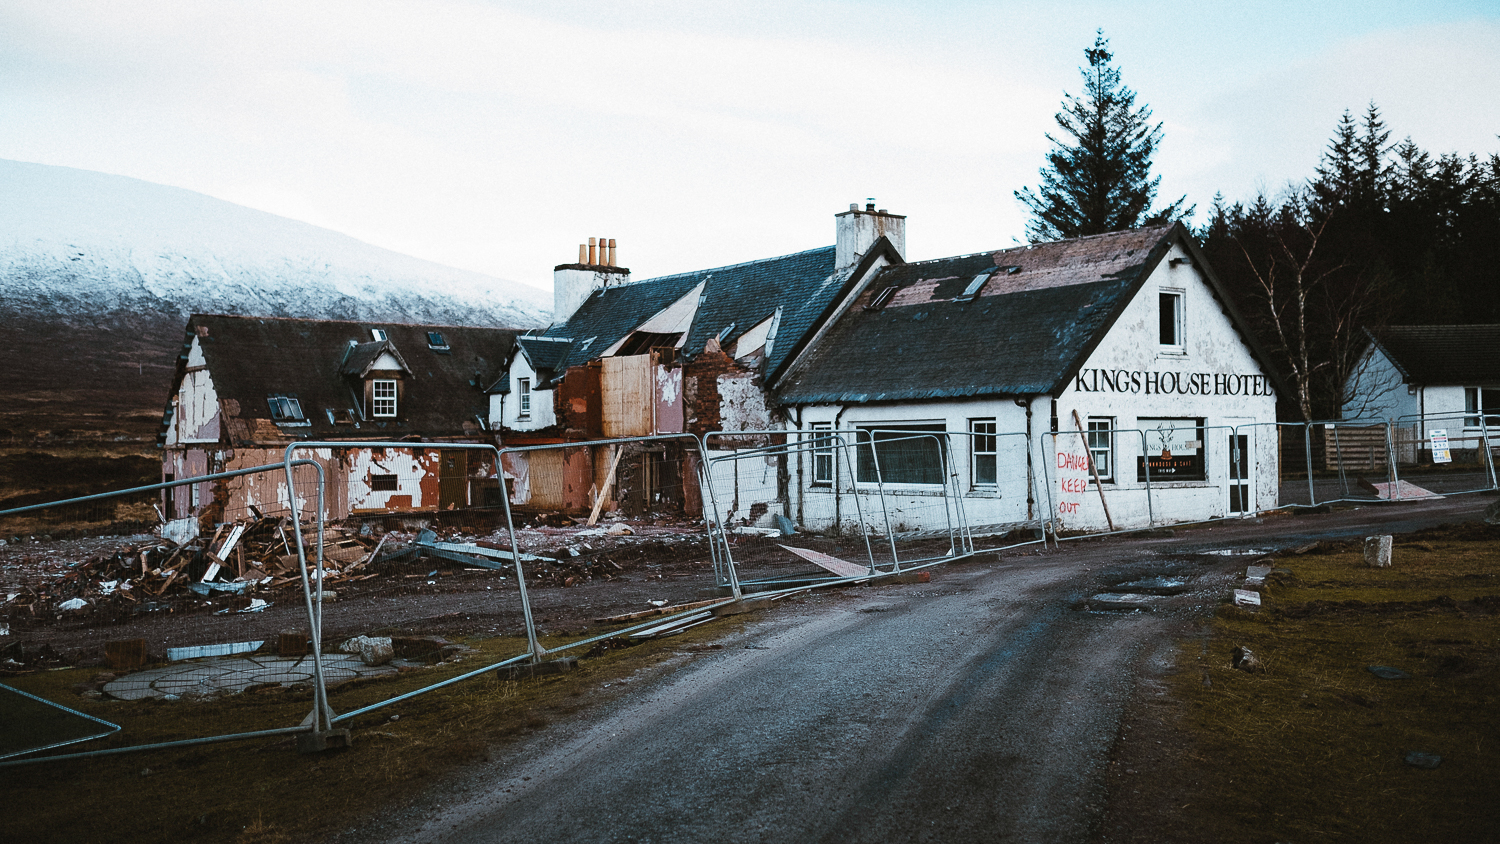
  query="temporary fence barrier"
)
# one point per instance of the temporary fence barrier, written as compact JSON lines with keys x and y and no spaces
{"x":228,"y":631}
{"x":1446,"y":454}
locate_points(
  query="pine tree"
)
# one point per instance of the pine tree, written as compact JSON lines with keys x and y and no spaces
{"x":1099,"y":180}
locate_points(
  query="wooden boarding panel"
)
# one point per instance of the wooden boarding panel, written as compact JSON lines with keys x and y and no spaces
{"x":842,"y":568}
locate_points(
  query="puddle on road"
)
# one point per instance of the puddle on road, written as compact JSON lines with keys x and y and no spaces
{"x":1238,"y":552}
{"x":1159,"y":585}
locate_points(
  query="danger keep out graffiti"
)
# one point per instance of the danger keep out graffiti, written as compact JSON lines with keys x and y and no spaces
{"x":1072,"y":481}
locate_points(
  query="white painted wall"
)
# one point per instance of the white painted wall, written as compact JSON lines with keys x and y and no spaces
{"x":1208,"y":379}
{"x":505,"y":408}
{"x":1211,"y":377}
{"x":196,"y":416}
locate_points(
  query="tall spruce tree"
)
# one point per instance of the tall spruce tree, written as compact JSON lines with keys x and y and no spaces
{"x":1098,"y":179}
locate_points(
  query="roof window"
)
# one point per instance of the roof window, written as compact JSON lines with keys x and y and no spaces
{"x":881,"y":299}
{"x":378,"y":334}
{"x":285,"y":408}
{"x":973,"y":289}
{"x":435,"y":340}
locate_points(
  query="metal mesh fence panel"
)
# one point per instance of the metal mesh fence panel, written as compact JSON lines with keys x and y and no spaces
{"x":186,"y":593}
{"x":1446,"y":454}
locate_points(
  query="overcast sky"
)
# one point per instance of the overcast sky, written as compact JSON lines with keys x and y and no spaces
{"x":495,"y":136}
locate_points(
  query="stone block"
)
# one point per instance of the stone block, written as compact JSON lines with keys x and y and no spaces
{"x":1378,"y":551}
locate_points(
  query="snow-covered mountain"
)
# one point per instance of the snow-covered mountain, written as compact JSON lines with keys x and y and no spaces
{"x":99,"y":273}
{"x":76,"y":244}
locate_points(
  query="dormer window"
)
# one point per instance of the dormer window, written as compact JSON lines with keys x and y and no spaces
{"x":285,"y":408}
{"x":382,"y":397}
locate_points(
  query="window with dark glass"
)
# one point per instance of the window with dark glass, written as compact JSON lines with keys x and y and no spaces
{"x":285,"y":408}
{"x":1482,"y":402}
{"x":1170,"y":313}
{"x":902,"y":453}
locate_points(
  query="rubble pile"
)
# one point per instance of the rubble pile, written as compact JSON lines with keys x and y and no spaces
{"x":239,"y":557}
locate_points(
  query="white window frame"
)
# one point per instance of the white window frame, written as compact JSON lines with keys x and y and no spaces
{"x":523,"y":398}
{"x":1101,"y":445}
{"x":823,"y":454}
{"x":1475,"y":407}
{"x":912,"y":438}
{"x":984,"y":450}
{"x":1176,"y":344}
{"x":383,"y":405}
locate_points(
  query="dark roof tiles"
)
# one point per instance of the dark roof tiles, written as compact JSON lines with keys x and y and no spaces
{"x":250,"y":359}
{"x":1022,"y":334}
{"x":1444,"y":354}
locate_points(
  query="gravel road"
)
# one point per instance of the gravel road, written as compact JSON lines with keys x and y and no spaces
{"x":979,"y":707}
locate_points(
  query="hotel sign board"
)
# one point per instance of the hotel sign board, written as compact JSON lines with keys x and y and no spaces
{"x":1174,"y":450}
{"x":1145,"y":383}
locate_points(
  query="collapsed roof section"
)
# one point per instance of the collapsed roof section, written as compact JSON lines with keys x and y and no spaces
{"x":303,"y":377}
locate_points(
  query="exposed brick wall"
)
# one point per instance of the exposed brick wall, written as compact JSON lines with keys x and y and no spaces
{"x":700,"y":389}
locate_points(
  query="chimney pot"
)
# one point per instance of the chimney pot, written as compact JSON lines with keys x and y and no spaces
{"x":593,"y":259}
{"x":870,"y":207}
{"x":583,"y":253}
{"x":612,"y":252}
{"x":854,"y":206}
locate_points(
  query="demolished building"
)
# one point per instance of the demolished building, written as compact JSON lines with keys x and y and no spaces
{"x":245,"y":388}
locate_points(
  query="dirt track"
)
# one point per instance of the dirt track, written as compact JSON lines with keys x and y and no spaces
{"x":983,"y":706}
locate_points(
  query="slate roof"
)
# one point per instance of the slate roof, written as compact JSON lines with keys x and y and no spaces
{"x":1443,"y":354}
{"x":1024,"y":333}
{"x":609,"y":314}
{"x":744,"y":295}
{"x":251,"y":358}
{"x":546,"y":355}
{"x":737,"y":297}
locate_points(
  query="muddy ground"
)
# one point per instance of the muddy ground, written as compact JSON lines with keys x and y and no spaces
{"x":590,"y":573}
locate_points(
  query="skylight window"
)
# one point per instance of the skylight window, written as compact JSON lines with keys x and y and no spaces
{"x":285,"y":408}
{"x":378,"y":334}
{"x":881,"y":299}
{"x":973,"y":289}
{"x":435,"y":340}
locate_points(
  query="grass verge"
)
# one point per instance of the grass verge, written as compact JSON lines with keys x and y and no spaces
{"x":1313,"y":746}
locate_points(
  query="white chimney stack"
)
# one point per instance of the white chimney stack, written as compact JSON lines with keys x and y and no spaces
{"x":572,"y":284}
{"x":857,"y":230}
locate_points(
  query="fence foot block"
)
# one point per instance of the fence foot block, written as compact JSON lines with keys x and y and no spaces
{"x":738,"y":607}
{"x":318,"y":741}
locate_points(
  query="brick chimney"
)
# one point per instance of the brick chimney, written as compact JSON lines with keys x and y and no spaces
{"x":858,"y":230}
{"x":572,"y":284}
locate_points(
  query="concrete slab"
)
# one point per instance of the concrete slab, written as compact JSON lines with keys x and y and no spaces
{"x":234,"y":674}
